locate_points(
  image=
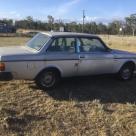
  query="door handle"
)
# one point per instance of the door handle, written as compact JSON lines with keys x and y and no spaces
{"x":82,"y":57}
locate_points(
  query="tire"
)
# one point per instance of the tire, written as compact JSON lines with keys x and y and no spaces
{"x":47,"y":79}
{"x":126,"y":72}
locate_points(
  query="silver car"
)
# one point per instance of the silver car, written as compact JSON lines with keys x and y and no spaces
{"x":48,"y":57}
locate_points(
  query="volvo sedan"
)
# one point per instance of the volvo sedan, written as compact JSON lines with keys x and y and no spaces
{"x":48,"y":57}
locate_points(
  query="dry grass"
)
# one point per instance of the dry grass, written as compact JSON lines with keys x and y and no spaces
{"x":13,"y":41}
{"x":97,"y":106}
{"x":120,"y":42}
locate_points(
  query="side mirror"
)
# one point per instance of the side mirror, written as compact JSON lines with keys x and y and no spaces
{"x":108,"y":50}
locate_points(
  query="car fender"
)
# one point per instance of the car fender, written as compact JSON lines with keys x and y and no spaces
{"x":51,"y":67}
{"x":125,"y":62}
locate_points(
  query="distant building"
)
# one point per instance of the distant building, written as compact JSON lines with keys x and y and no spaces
{"x":4,"y":28}
{"x":62,"y":29}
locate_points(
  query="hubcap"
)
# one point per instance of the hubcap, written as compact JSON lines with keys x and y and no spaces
{"x":48,"y":79}
{"x":126,"y":73}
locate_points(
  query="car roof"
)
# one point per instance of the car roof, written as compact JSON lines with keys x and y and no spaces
{"x":58,"y":34}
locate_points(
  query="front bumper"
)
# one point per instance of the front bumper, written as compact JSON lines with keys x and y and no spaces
{"x":5,"y":76}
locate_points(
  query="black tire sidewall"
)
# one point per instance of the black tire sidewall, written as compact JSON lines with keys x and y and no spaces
{"x":39,"y":80}
{"x":122,"y":69}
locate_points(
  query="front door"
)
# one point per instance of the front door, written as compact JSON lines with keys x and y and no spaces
{"x":94,"y":58}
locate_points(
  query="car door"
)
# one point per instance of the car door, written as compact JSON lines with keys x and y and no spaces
{"x":62,"y":55}
{"x":94,"y":58}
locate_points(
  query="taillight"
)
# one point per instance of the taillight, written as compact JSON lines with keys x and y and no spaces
{"x":2,"y":66}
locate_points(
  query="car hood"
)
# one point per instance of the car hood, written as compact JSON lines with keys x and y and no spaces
{"x":123,"y":54}
{"x":14,"y":50}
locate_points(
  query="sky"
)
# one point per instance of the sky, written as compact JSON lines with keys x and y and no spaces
{"x":95,"y":10}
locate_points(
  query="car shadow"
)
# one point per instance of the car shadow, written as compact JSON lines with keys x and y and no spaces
{"x":107,"y":89}
{"x":103,"y":88}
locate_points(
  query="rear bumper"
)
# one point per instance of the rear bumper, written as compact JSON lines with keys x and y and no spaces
{"x":5,"y":76}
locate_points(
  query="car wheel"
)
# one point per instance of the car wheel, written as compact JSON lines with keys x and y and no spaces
{"x":48,"y":79}
{"x":126,"y":72}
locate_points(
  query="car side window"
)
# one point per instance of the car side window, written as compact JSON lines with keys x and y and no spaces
{"x":90,"y":45}
{"x":63,"y":45}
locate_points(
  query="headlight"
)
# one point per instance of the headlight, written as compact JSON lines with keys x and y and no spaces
{"x":2,"y":66}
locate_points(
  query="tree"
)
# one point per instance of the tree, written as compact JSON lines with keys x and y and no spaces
{"x":131,"y":21}
{"x":102,"y":29}
{"x":50,"y":21}
{"x":7,"y":21}
{"x":30,"y":22}
{"x":114,"y":27}
{"x":29,"y":19}
{"x":91,"y":28}
{"x":128,"y":26}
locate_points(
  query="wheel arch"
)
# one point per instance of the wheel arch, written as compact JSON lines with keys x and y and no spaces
{"x":50,"y":68}
{"x":129,"y":62}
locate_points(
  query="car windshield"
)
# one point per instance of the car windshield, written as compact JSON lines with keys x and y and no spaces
{"x":38,"y":41}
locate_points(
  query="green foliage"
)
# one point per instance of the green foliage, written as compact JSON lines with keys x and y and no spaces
{"x":6,"y":21}
{"x":131,"y":22}
{"x":128,"y":26}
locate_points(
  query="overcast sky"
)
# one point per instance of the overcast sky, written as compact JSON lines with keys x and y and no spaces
{"x":67,"y":9}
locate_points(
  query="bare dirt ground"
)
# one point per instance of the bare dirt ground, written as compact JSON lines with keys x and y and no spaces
{"x":89,"y":106}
